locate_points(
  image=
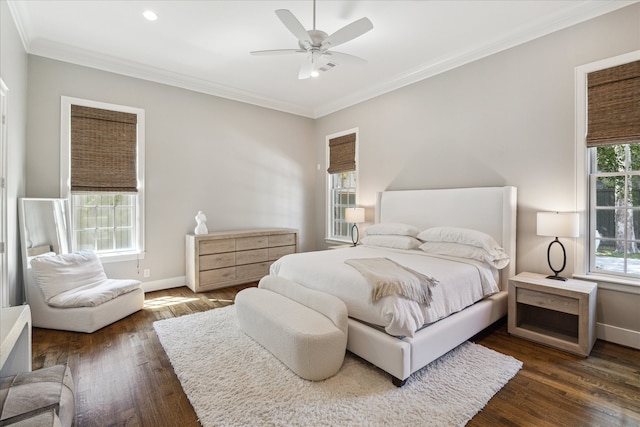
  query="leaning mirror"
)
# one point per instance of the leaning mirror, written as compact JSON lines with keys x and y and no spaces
{"x":44,"y":227}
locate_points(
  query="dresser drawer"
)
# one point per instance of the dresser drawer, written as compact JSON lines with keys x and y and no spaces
{"x":252,"y":257}
{"x":210,"y":262}
{"x":253,"y":242}
{"x":252,"y":271}
{"x":219,"y":275}
{"x":217,"y":246}
{"x":280,"y":251}
{"x":282,"y":240}
{"x":546,"y":300}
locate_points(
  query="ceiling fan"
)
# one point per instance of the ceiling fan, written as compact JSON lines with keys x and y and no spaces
{"x":315,"y":44}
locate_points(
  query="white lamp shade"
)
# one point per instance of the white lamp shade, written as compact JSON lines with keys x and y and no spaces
{"x":354,"y":215}
{"x":558,"y":224}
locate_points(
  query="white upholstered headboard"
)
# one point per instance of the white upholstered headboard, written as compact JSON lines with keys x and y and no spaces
{"x":488,"y":209}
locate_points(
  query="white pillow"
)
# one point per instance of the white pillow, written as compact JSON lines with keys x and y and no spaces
{"x":394,"y":228}
{"x":391,"y":241}
{"x":465,"y":236}
{"x":60,"y":273}
{"x":496,"y":258}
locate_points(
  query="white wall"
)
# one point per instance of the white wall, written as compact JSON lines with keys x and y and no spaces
{"x":507,"y":119}
{"x":13,"y":70}
{"x":243,"y":166}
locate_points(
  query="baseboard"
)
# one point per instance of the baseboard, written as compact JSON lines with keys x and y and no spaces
{"x":622,"y":336}
{"x":158,"y":285}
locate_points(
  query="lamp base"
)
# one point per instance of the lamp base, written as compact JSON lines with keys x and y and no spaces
{"x":355,"y":235}
{"x":555,"y":276}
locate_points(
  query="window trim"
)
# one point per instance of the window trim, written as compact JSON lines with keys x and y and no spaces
{"x":327,"y":184}
{"x":4,"y":142}
{"x":587,"y":229}
{"x":65,"y":164}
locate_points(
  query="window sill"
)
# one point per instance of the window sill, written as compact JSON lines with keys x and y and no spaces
{"x":618,"y":284}
{"x":120,"y":257}
{"x":338,"y":242}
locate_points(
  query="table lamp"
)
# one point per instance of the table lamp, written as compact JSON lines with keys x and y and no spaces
{"x":557,"y":224}
{"x":355,"y":216}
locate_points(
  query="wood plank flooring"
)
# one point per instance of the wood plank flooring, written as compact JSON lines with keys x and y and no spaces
{"x":123,"y":376}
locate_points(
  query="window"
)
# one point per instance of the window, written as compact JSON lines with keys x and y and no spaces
{"x":615,"y":209}
{"x":608,"y":128}
{"x":342,"y":183}
{"x":102,"y":170}
{"x":104,"y":222}
{"x":343,"y":195}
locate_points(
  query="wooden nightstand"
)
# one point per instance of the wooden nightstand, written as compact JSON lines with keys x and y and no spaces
{"x":556,"y":313}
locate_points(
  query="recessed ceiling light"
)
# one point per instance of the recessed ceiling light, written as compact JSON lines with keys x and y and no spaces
{"x":150,"y":15}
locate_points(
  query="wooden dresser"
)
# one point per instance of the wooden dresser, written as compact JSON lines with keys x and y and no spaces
{"x":228,"y":258}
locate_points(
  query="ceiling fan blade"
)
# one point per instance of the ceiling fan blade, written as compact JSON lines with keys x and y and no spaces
{"x":347,"y":33}
{"x":276,"y":52}
{"x":344,"y":58}
{"x":296,"y":28}
{"x":306,"y":69}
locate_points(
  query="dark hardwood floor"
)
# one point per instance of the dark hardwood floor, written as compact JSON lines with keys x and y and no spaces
{"x":123,"y":376}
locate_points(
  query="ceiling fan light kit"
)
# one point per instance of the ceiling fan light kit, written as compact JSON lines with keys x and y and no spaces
{"x":316,"y":43}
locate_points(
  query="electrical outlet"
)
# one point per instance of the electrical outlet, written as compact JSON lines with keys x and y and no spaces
{"x":146,"y":272}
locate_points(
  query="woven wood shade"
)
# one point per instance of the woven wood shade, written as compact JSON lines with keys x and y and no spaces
{"x":614,"y":105}
{"x":103,"y":150}
{"x":342,"y":154}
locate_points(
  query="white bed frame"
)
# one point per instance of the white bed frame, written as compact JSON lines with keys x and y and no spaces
{"x":488,"y":209}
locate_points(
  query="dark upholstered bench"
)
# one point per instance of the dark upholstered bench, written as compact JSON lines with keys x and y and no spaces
{"x":38,"y":398}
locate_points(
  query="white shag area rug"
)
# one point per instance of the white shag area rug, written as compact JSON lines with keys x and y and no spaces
{"x":233,"y":381}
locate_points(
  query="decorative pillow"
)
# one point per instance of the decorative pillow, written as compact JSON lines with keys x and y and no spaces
{"x":60,"y":273}
{"x":394,"y":228}
{"x":465,"y":236}
{"x":391,"y":241}
{"x":496,"y":258}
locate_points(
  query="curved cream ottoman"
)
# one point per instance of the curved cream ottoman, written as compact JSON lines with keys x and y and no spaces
{"x":304,"y":328}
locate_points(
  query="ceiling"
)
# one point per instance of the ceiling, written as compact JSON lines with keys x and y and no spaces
{"x":204,"y":45}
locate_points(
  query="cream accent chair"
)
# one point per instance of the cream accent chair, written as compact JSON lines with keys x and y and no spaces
{"x":72,"y":292}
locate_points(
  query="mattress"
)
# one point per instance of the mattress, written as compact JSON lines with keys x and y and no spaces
{"x":462,"y":282}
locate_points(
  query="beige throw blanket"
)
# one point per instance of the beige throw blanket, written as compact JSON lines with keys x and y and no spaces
{"x":387,"y":277}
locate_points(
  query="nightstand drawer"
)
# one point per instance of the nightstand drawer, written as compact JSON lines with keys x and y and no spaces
{"x":547,"y":300}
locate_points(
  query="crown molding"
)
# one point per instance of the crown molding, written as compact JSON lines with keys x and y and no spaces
{"x":17,"y":10}
{"x":582,"y":11}
{"x":114,"y":65}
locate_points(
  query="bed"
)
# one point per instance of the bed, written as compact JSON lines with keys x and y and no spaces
{"x":401,"y":346}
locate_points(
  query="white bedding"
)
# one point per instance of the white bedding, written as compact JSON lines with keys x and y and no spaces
{"x":462,"y":283}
